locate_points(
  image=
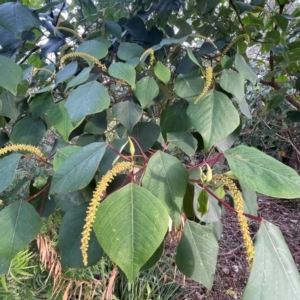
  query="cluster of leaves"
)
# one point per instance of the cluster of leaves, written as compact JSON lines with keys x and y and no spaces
{"x":102,"y":74}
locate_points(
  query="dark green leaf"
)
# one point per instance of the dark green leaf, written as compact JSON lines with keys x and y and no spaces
{"x":11,"y":106}
{"x":69,"y":240}
{"x":28,"y":131}
{"x":243,"y":68}
{"x":130,"y":225}
{"x":203,"y":203}
{"x":62,"y":154}
{"x":294,"y":116}
{"x":8,"y":166}
{"x":97,"y":124}
{"x":128,"y":113}
{"x":263,"y":173}
{"x":87,"y":99}
{"x":68,"y":71}
{"x":40,"y":104}
{"x":197,"y":253}
{"x":94,"y":48}
{"x":19,"y":224}
{"x":154,"y":258}
{"x":80,"y":78}
{"x":10,"y":73}
{"x":78,"y":170}
{"x":166,"y":178}
{"x":214,"y":117}
{"x":175,"y":119}
{"x":113,"y":28}
{"x":162,"y":72}
{"x":127,"y":51}
{"x":250,"y":200}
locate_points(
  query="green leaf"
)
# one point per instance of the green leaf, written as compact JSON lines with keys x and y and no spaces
{"x":16,"y":18}
{"x":113,"y":28}
{"x":281,"y":22}
{"x":10,"y":73}
{"x":62,"y":154}
{"x":188,"y":86}
{"x":80,"y":78}
{"x":94,"y":48}
{"x":244,"y":69}
{"x":162,"y":72}
{"x":127,"y":51}
{"x":97,"y":124}
{"x":8,"y":166}
{"x":275,"y":99}
{"x":203,"y":202}
{"x":130,"y":225}
{"x":124,"y":72}
{"x":166,"y":178}
{"x":12,"y":107}
{"x":197,"y":253}
{"x":146,"y":90}
{"x":214,"y":117}
{"x":146,"y":135}
{"x":184,"y":141}
{"x":233,"y":83}
{"x":68,"y":71}
{"x":40,"y":104}
{"x":226,"y":62}
{"x":128,"y":113}
{"x":175,"y":119}
{"x":28,"y":131}
{"x":192,"y":57}
{"x":250,"y":200}
{"x":263,"y":173}
{"x":69,"y":240}
{"x":19,"y":224}
{"x":78,"y":170}
{"x":274,"y":274}
{"x":87,"y":99}
{"x":58,"y":117}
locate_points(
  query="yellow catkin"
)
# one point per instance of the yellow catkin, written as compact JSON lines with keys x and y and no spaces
{"x":94,"y":203}
{"x":242,"y":220}
{"x":22,"y":147}
{"x":209,"y":77}
{"x":82,"y":55}
{"x":80,"y":39}
{"x":149,"y":51}
{"x":63,"y":49}
{"x":246,"y":36}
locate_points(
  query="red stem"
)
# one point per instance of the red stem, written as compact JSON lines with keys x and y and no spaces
{"x":39,"y":192}
{"x":116,"y":150}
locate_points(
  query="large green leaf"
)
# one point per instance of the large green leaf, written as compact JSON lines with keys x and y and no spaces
{"x":126,"y":51}
{"x":124,"y":72}
{"x":87,"y":99}
{"x":8,"y":166}
{"x":69,"y":240}
{"x":250,"y":200}
{"x":16,"y":18}
{"x":10,"y":73}
{"x":175,"y":119}
{"x":274,"y":274}
{"x":128,"y":113}
{"x":62,"y":154}
{"x":214,"y":117}
{"x":166,"y":178}
{"x":19,"y":225}
{"x":77,"y":170}
{"x":28,"y":131}
{"x":130,"y":225}
{"x":12,"y":107}
{"x":263,"y":173}
{"x":146,"y":90}
{"x":244,"y":69}
{"x":184,"y":141}
{"x":233,"y":82}
{"x":188,"y":87}
{"x":97,"y":124}
{"x":197,"y":253}
{"x":58,"y":117}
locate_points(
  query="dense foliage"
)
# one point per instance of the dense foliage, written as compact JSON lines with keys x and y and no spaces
{"x":104,"y":108}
